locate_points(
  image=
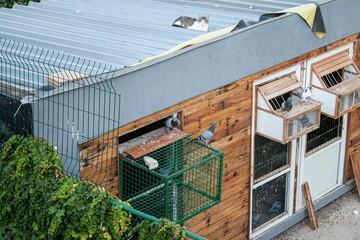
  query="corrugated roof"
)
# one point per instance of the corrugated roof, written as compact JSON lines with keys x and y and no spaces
{"x":123,"y":32}
{"x":119,"y":33}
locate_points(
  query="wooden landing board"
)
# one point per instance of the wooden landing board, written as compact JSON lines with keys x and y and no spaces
{"x":309,"y":203}
{"x":355,"y":161}
{"x":150,"y":142}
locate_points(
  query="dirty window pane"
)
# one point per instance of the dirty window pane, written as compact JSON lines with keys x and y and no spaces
{"x":268,"y":201}
{"x":269,"y":156}
{"x":328,"y":132}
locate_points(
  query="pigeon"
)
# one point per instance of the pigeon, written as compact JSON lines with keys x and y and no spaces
{"x":287,"y":105}
{"x":306,"y":94}
{"x":255,"y":217}
{"x":150,"y":162}
{"x":172,"y":122}
{"x":305,"y":121}
{"x":276,"y":207}
{"x":207,"y":135}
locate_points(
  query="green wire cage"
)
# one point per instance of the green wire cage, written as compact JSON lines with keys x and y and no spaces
{"x":186,"y":181}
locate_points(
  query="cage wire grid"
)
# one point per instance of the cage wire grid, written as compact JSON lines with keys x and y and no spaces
{"x":70,"y":102}
{"x":64,"y":99}
{"x":187,"y":180}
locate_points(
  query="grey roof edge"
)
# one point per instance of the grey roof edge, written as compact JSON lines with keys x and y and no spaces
{"x":129,"y":69}
{"x":292,"y":29}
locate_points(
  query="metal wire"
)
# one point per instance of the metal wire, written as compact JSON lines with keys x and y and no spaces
{"x":328,"y":132}
{"x":186,"y":181}
{"x":269,"y":156}
{"x":138,"y":216}
{"x":65,"y":99}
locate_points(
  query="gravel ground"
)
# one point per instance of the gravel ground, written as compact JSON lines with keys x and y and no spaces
{"x":338,"y":220}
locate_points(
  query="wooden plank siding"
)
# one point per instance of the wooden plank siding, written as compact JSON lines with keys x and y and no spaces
{"x":353,"y":136}
{"x":231,"y":107}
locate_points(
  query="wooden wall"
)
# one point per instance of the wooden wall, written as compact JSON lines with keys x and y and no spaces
{"x":231,"y":107}
{"x":353,"y":141}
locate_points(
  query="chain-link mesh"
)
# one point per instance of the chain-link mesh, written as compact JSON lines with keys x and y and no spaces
{"x":186,"y":181}
{"x":65,"y":99}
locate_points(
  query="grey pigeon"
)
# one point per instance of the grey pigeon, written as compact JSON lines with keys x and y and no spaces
{"x":276,"y":207}
{"x":172,"y":122}
{"x":255,"y":217}
{"x":287,"y":105}
{"x":305,"y":121}
{"x":207,"y":135}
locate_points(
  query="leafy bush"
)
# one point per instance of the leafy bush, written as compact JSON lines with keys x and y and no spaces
{"x":10,"y":3}
{"x":38,"y":201}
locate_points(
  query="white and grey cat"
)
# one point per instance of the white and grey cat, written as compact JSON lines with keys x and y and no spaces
{"x":201,"y":24}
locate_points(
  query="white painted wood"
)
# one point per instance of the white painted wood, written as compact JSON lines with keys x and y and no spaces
{"x":270,"y":125}
{"x":261,"y":102}
{"x":323,"y":170}
{"x":328,"y":100}
{"x":290,"y":171}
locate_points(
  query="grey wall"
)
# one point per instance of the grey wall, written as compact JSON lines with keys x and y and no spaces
{"x":196,"y":70}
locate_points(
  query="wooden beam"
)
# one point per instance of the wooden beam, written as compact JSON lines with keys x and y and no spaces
{"x":151,"y":141}
{"x":355,"y":161}
{"x":310,"y":206}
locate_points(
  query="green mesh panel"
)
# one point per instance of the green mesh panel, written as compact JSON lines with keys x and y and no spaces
{"x":186,"y":182}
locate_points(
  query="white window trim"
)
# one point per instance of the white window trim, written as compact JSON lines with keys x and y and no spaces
{"x":300,"y":176}
{"x":290,"y":170}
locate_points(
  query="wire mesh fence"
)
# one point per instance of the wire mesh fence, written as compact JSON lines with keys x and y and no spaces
{"x":65,"y":99}
{"x":269,"y":156}
{"x":329,"y":131}
{"x":187,"y":180}
{"x":70,"y":102}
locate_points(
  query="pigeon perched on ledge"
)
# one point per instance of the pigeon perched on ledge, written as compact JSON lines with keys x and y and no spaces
{"x":304,"y":95}
{"x":207,"y":135}
{"x":172,"y":122}
{"x":287,"y":105}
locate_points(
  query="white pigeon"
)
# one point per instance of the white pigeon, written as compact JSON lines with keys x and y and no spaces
{"x":306,"y":94}
{"x":150,"y":162}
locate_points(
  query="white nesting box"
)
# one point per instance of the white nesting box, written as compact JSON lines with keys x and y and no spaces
{"x":283,"y":126}
{"x":336,"y":82}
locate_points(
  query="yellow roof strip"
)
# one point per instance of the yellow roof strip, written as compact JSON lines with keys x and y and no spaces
{"x":307,"y":12}
{"x":196,"y":40}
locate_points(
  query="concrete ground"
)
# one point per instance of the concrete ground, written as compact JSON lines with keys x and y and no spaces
{"x":339,"y":220}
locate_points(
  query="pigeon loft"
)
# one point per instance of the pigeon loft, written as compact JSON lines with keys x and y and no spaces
{"x":277,"y":124}
{"x":186,"y":181}
{"x":336,"y":79}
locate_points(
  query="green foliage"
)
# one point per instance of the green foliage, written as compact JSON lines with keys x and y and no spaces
{"x":10,"y":3}
{"x":165,"y":229}
{"x":38,"y":201}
